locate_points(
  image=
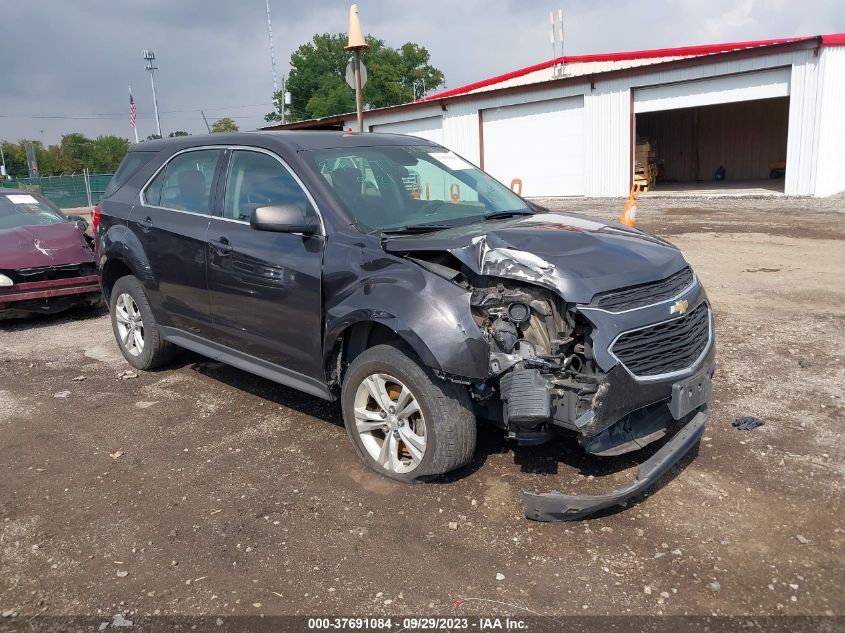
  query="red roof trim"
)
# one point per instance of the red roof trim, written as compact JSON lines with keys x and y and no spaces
{"x":683,"y":51}
{"x":833,"y":39}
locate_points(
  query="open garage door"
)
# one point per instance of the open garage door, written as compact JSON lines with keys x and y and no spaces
{"x":541,"y":143}
{"x":721,"y":135}
{"x":429,"y":128}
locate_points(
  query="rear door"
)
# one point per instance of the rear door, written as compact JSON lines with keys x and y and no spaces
{"x":171,"y":224}
{"x":264,"y":286}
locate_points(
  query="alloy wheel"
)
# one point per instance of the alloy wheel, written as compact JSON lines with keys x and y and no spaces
{"x":390,"y":423}
{"x":130,"y":325}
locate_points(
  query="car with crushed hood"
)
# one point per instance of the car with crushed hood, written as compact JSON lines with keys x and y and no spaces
{"x":391,"y":274}
{"x":46,"y":260}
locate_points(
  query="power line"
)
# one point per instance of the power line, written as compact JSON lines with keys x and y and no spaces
{"x":96,"y":115}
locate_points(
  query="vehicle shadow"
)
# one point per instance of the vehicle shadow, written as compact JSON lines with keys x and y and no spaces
{"x":561,"y":456}
{"x":37,"y":321}
{"x":261,"y":387}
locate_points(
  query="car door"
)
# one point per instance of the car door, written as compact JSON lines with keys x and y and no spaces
{"x":171,"y":224}
{"x":265,"y":287}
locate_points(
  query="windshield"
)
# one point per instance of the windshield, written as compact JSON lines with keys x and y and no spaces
{"x":394,"y":188}
{"x":25,"y":209}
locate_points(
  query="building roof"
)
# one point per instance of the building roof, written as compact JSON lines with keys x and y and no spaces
{"x":576,"y":65}
{"x":573,"y":66}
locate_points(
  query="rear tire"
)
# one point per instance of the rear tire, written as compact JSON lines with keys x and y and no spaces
{"x":427,"y":423}
{"x":135,"y":328}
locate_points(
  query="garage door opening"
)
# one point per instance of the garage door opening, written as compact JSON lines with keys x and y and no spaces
{"x":729,"y":148}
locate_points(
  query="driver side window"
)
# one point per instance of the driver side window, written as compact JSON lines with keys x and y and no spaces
{"x":258,"y":180}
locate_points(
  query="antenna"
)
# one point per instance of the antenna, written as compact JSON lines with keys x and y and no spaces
{"x":272,"y":51}
{"x":552,"y":33}
{"x":559,"y":68}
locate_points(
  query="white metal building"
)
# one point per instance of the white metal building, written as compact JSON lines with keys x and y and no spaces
{"x":568,"y":127}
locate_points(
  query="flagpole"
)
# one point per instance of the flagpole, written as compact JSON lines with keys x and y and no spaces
{"x":134,"y":127}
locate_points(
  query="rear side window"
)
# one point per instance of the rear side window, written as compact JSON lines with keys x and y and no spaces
{"x":132,"y":162}
{"x":185,"y":183}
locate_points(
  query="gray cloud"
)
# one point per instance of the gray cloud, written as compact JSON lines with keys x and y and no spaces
{"x":77,"y":58}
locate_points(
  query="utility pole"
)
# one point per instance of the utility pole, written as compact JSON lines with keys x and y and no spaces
{"x":356,"y":43}
{"x":273,"y":55}
{"x":207,"y":126}
{"x":150,"y":57}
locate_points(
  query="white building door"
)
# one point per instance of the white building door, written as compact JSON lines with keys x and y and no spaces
{"x":541,"y":143}
{"x":430,"y":128}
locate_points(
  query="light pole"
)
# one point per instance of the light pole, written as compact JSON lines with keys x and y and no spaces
{"x":150,"y":57}
{"x":356,"y":44}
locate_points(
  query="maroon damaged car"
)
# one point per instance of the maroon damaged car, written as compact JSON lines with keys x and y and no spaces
{"x":46,"y":262}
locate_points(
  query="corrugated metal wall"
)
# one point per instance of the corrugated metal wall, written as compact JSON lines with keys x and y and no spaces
{"x":608,"y":142}
{"x":830,"y":163}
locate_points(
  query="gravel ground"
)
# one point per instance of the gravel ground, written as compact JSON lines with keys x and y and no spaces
{"x":202,"y":490}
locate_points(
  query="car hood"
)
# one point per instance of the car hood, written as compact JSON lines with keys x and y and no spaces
{"x":577,"y":256}
{"x":43,"y":245}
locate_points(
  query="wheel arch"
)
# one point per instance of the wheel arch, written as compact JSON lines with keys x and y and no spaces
{"x":351,"y":339}
{"x":110,"y":271}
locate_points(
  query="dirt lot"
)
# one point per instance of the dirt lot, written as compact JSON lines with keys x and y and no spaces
{"x":236,"y":496}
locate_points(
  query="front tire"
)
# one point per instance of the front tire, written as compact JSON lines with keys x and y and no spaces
{"x":135,"y":328}
{"x":403,"y":422}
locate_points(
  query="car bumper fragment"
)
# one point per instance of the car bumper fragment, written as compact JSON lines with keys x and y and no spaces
{"x":28,"y":291}
{"x":556,"y":506}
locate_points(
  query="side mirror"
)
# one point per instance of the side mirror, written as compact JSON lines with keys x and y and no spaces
{"x":81,"y":222}
{"x":284,"y":218}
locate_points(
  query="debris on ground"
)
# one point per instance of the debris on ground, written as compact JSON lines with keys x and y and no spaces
{"x":61,"y":394}
{"x":78,"y":378}
{"x":127,"y":374}
{"x":747,"y":422}
{"x":117,"y":454}
{"x":802,"y":539}
{"x":120,"y":621}
{"x":122,"y":574}
{"x":714,"y":586}
{"x":500,"y":576}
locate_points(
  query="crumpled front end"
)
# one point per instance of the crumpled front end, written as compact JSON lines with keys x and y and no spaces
{"x":573,"y":349}
{"x":615,"y":375}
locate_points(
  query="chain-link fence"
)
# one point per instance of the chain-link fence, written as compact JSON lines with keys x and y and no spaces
{"x":75,"y":190}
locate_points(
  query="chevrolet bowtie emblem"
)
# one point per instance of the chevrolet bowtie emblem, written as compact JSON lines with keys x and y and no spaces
{"x":680,"y":307}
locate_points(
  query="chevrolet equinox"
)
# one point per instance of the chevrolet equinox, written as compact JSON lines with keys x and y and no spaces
{"x":389,"y":273}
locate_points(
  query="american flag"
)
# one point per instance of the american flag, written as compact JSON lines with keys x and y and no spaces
{"x":133,"y":112}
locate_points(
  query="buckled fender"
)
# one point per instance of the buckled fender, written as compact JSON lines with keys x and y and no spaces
{"x":557,"y":506}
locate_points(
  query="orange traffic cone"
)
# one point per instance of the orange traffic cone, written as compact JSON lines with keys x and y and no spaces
{"x":629,"y":211}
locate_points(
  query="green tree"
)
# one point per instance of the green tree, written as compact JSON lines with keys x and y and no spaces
{"x":15,"y":157}
{"x":72,"y":154}
{"x":107,"y":152}
{"x":226,"y":124}
{"x":178,"y":133}
{"x":317,"y":78}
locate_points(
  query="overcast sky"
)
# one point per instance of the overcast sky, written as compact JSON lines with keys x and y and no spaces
{"x":75,"y":59}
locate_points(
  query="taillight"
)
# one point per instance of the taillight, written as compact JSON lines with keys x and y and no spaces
{"x":95,"y":219}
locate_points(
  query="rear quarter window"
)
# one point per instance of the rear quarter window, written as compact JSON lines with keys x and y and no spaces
{"x":132,"y":162}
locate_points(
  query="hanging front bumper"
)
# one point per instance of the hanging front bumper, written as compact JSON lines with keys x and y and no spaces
{"x":556,"y":506}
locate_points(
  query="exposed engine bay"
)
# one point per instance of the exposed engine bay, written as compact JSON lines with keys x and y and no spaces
{"x":539,"y":348}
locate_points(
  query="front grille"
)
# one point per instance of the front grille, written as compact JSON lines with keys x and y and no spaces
{"x":667,"y":347}
{"x":645,"y":294}
{"x":50,"y":273}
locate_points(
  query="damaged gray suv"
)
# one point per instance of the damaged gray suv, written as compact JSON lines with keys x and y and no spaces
{"x":390,"y":274}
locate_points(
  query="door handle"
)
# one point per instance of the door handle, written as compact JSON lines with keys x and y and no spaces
{"x":146,"y":224}
{"x":221,"y":246}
